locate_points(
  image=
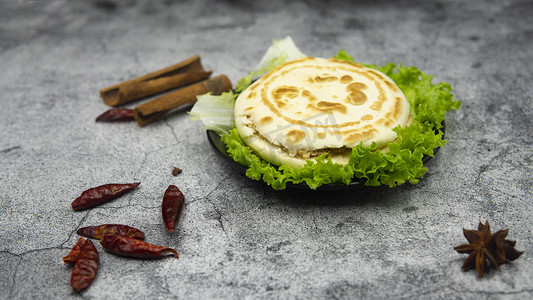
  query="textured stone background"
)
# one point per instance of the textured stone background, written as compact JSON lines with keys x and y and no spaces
{"x":239,"y":238}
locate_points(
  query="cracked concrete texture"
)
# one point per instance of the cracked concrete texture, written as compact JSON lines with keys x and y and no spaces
{"x":238,"y":238}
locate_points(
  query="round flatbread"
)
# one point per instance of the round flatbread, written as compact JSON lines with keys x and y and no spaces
{"x":311,"y":106}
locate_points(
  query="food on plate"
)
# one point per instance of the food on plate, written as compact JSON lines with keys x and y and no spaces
{"x":301,"y":122}
{"x":313,"y":106}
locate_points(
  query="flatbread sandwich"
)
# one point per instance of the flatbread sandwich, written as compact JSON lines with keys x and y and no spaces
{"x":311,"y":106}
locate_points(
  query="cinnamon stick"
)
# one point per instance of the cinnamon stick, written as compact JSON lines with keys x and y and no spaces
{"x":157,"y":108}
{"x":178,"y":75}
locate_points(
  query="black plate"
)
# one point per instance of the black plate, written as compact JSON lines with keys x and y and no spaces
{"x":220,"y":149}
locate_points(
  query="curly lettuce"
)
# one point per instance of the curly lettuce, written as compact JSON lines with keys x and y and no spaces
{"x":403,"y":162}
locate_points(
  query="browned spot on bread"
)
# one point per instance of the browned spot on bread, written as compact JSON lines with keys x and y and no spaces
{"x":356,"y":86}
{"x":325,"y":79}
{"x":266,"y":120}
{"x":356,"y":96}
{"x":360,"y":136}
{"x":356,"y":130}
{"x":294,"y":136}
{"x":307,"y":94}
{"x":252,"y":95}
{"x":280,"y":104}
{"x":378,"y":104}
{"x":349,"y":64}
{"x":249,"y":108}
{"x":285,"y":91}
{"x":320,"y":135}
{"x":397,"y":110}
{"x":254,"y":86}
{"x":385,"y":121}
{"x":367,"y":117}
{"x":391,"y":86}
{"x":331,"y":106}
{"x":346,"y":79}
{"x":376,"y":74}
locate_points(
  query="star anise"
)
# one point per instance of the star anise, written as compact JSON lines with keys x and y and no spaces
{"x":484,"y":246}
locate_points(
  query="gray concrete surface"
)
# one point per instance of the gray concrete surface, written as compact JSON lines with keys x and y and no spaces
{"x":237,"y":238}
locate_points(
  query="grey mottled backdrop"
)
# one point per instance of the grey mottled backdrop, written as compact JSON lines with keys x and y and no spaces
{"x":239,"y":238}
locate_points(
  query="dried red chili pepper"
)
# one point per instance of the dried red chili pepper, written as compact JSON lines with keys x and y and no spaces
{"x":173,"y":201}
{"x":86,"y":260}
{"x":130,"y":247}
{"x":98,"y":232}
{"x":116,"y":115}
{"x":102,"y":194}
{"x":74,"y":254}
{"x":85,"y":268}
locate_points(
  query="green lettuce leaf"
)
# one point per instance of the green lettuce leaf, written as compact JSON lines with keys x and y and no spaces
{"x":215,"y":111}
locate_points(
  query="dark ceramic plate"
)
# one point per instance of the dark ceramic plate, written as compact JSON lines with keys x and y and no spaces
{"x":220,"y":149}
